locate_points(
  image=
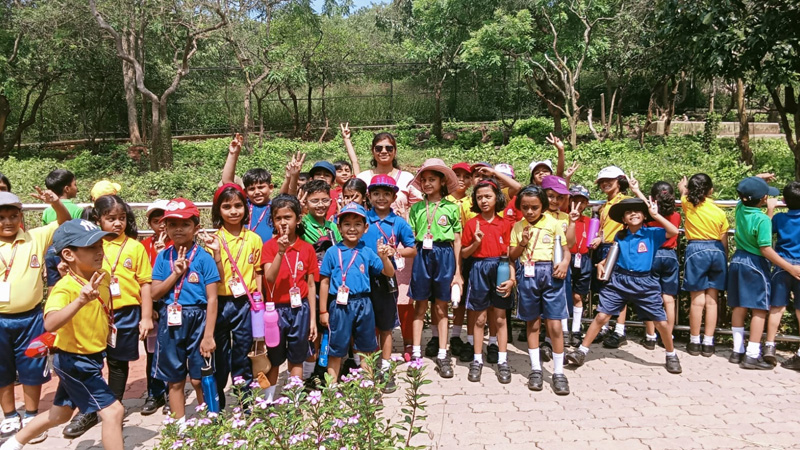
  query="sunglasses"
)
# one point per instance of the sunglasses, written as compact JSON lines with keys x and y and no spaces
{"x":381,"y":148}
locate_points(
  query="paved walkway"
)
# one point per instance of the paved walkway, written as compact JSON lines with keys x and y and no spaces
{"x":621,"y":399}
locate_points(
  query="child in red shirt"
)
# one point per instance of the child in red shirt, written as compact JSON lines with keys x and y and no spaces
{"x":581,"y":261}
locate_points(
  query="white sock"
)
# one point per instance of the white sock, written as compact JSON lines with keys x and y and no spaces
{"x":471,"y":340}
{"x":564,"y":325}
{"x":672,"y":353}
{"x":181,"y":423}
{"x":385,"y":364}
{"x":738,"y":339}
{"x":416,"y":351}
{"x":584,"y":350}
{"x":768,"y":344}
{"x":357,"y":359}
{"x":798,"y":352}
{"x":577,"y":314}
{"x":558,"y":363}
{"x":620,"y":329}
{"x":308,"y":369}
{"x":708,"y":340}
{"x":455,"y":331}
{"x":536,"y":364}
{"x":694,"y":339}
{"x":753,"y":349}
{"x":502,"y":357}
{"x":650,"y":337}
{"x":478,"y":357}
{"x":269,"y":394}
{"x":442,"y":353}
{"x":492,"y":340}
{"x":605,"y":329}
{"x":435,"y":331}
{"x":11,"y":444}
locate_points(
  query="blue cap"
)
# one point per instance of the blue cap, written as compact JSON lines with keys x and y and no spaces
{"x":752,"y":188}
{"x":579,"y":191}
{"x":324,"y":165}
{"x":77,"y":233}
{"x":353,"y":208}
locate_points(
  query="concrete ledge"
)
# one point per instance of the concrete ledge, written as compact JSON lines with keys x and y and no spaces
{"x":725,"y":128}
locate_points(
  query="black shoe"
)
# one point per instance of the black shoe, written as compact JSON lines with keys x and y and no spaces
{"x":444,"y":366}
{"x":615,"y":340}
{"x":152,"y":404}
{"x":546,"y":351}
{"x":576,"y":358}
{"x":792,"y":363}
{"x":736,"y":358}
{"x":432,"y":347}
{"x":769,"y":355}
{"x":673,"y":364}
{"x":707,"y":350}
{"x":601,"y":336}
{"x":467,"y":353}
{"x":475,"y":369}
{"x":693,"y":349}
{"x":751,"y":363}
{"x":492,"y":354}
{"x":649,"y":344}
{"x":576,"y":339}
{"x":535,"y":380}
{"x":456,"y":344}
{"x":390,"y":385}
{"x":80,"y":424}
{"x":523,"y":335}
{"x":503,"y":373}
{"x":560,"y":384}
{"x":166,"y":410}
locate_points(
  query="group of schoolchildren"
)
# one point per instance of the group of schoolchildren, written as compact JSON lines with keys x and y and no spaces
{"x":324,"y":254}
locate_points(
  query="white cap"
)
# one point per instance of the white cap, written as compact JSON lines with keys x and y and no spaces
{"x":609,"y":172}
{"x":546,"y":162}
{"x":505,"y":169}
{"x":156,"y":205}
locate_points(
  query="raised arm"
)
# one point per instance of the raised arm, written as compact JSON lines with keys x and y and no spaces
{"x":229,"y":170}
{"x":348,"y":144}
{"x":556,"y":142}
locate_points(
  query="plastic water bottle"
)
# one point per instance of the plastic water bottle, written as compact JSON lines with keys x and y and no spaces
{"x":152,"y":337}
{"x":558,"y":251}
{"x":611,"y":261}
{"x":257,"y":316}
{"x":455,"y":295}
{"x":272,"y":333}
{"x":503,"y":272}
{"x":594,"y":227}
{"x":323,"y":349}
{"x":209,"y":384}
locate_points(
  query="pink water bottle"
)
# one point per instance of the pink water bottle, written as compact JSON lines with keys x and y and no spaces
{"x":272,"y":333}
{"x":594,"y":227}
{"x":152,"y":337}
{"x":257,"y":316}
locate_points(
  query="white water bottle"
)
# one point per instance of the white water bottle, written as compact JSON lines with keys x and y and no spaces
{"x":455,"y":295}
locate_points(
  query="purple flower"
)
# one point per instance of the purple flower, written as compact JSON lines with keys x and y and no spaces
{"x":262,"y":403}
{"x":416,"y":363}
{"x":200,"y":407}
{"x":189,"y":442}
{"x":225,"y":439}
{"x":238,"y":423}
{"x":177,"y":444}
{"x":238,"y":381}
{"x":367,"y":384}
{"x":239,"y":443}
{"x":353,"y":420}
{"x":282,"y":401}
{"x":315,"y":397}
{"x":397,"y":358}
{"x":254,"y":385}
{"x":338,"y":423}
{"x":213,"y":415}
{"x":169,"y":421}
{"x":203,"y":421}
{"x":298,"y":438}
{"x":237,"y":410}
{"x":338,"y":395}
{"x":294,"y":382}
{"x":254,"y":423}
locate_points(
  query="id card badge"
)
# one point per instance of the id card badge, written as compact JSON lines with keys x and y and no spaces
{"x":342,"y":295}
{"x":577,"y":261}
{"x":399,"y":262}
{"x":174,"y":317}
{"x":295,"y":299}
{"x":427,"y":243}
{"x":5,"y":292}
{"x":530,"y":269}
{"x":237,"y":288}
{"x":112,"y":336}
{"x":114,"y":287}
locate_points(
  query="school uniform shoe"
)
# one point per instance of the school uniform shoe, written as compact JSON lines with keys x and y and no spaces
{"x":649,"y":344}
{"x":37,"y":439}
{"x":390,"y":384}
{"x":467,"y":353}
{"x":736,"y":358}
{"x":615,"y":340}
{"x":560,"y":384}
{"x":10,"y":426}
{"x":152,"y":404}
{"x":575,"y":358}
{"x":407,"y":353}
{"x":546,"y":351}
{"x":444,"y":366}
{"x":751,"y":363}
{"x":432,"y":347}
{"x":707,"y":350}
{"x":576,"y":339}
{"x":673,"y":364}
{"x":769,"y":355}
{"x":535,"y":380}
{"x":602,"y":335}
{"x":475,"y":369}
{"x":693,"y":349}
{"x":492,"y":354}
{"x":80,"y":424}
{"x":504,"y":373}
{"x":523,"y":335}
{"x":792,"y":363}
{"x":166,"y":409}
{"x":456,"y":345}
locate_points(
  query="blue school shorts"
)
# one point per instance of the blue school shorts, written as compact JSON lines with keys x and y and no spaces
{"x":748,"y":281}
{"x":705,"y":266}
{"x":432,"y":272}
{"x":294,"y":324}
{"x":126,"y":319}
{"x":80,"y":382}
{"x":178,"y":347}
{"x":783,"y":285}
{"x":639,"y":288}
{"x":541,"y":295}
{"x":384,"y":303}
{"x":665,"y":269}
{"x":482,"y":286}
{"x":16,"y":332}
{"x":355,"y":321}
{"x":581,"y":275}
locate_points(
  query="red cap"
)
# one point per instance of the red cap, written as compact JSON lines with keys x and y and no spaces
{"x":463,"y":166}
{"x":228,"y":185}
{"x":180,"y":208}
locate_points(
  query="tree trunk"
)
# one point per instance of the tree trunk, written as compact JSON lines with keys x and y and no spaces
{"x":5,"y":111}
{"x":296,"y":114}
{"x":558,"y":130}
{"x":129,"y":83}
{"x":308,"y":106}
{"x":161,"y":143}
{"x":789,"y":105}
{"x":572,"y":120}
{"x":713,"y":95}
{"x":246,"y":122}
{"x":437,"y":113}
{"x":743,"y":140}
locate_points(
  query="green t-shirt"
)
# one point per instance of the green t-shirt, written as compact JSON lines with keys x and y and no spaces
{"x":753,"y":229}
{"x":312,"y":230}
{"x":445,"y":220}
{"x":49,"y":214}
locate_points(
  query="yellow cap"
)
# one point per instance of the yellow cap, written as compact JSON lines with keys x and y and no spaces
{"x":104,"y":187}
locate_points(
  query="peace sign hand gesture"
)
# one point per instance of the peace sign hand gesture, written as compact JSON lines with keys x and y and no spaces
{"x":46,"y":195}
{"x":236,"y":144}
{"x":555,"y":141}
{"x":90,"y":290}
{"x":181,"y":264}
{"x":283,"y":240}
{"x":345,"y":127}
{"x":571,"y":170}
{"x":295,"y":166}
{"x":574,"y":212}
{"x":211,"y":241}
{"x":634,"y":183}
{"x":653,"y":206}
{"x":160,"y":243}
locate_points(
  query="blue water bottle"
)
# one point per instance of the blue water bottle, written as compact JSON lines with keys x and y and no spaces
{"x":210,"y":393}
{"x":323,"y":349}
{"x":503,"y":272}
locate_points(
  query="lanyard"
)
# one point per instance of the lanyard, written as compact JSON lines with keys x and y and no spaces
{"x":293,"y":269}
{"x":107,"y":308}
{"x":389,"y":239}
{"x":263,"y":213}
{"x":429,"y":216}
{"x":531,"y":250}
{"x":234,"y":262}
{"x":341,"y":264}
{"x":10,"y":263}
{"x":179,"y":286}
{"x":114,"y":267}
